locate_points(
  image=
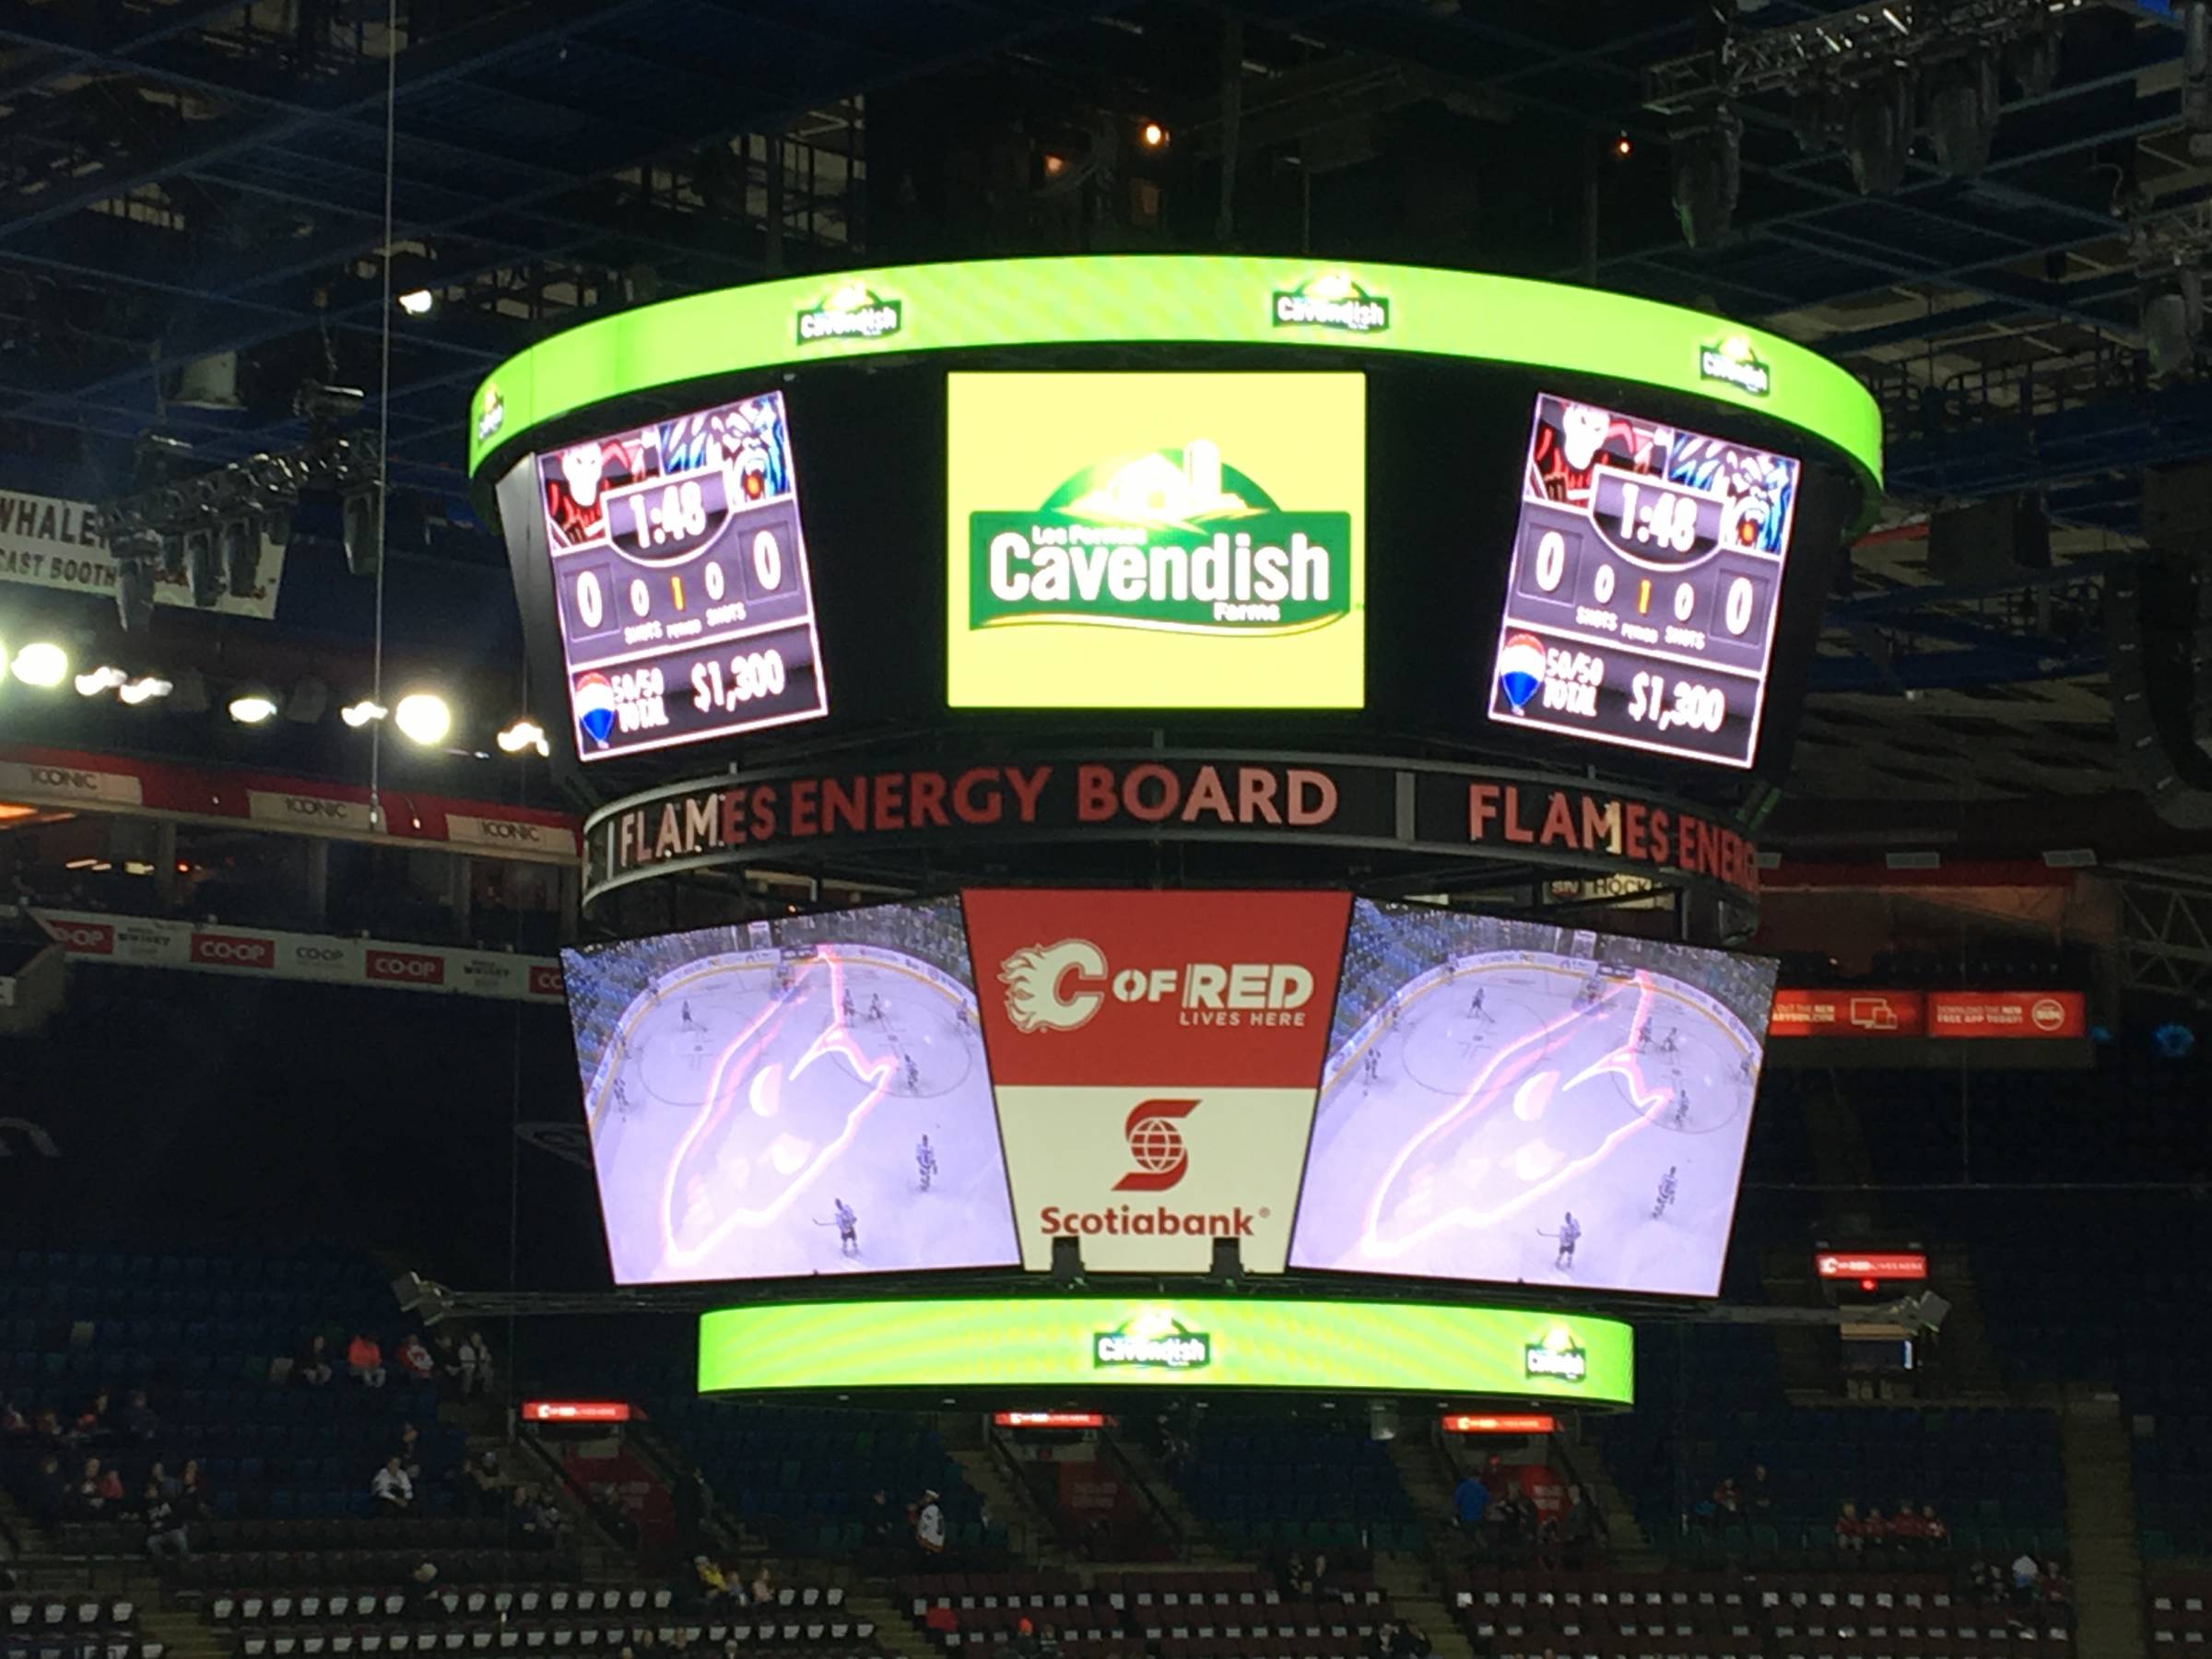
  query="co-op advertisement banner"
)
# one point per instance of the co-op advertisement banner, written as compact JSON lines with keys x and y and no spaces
{"x":1155,"y":1057}
{"x":264,"y":953}
{"x":1198,"y":1342}
{"x":1429,"y":807}
{"x":49,"y":543}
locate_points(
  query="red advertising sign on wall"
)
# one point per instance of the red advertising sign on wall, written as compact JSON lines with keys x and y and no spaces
{"x":576,"y":1411}
{"x":1846,"y":1013}
{"x":1524,"y":1422}
{"x":1155,"y":1057}
{"x":1871,"y":1264}
{"x":1987,"y":1014}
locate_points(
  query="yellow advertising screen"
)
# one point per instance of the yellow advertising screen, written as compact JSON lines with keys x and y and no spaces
{"x":1156,"y":541}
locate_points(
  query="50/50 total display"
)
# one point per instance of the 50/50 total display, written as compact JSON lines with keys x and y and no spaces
{"x":1572,"y":683}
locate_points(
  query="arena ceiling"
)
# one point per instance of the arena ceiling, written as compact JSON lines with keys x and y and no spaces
{"x":192,"y":199}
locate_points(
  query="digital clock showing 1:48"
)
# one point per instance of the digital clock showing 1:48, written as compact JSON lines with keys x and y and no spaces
{"x":1653,"y":521}
{"x":664,"y":521}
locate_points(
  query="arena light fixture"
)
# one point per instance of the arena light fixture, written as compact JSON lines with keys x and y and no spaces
{"x":106,"y":677}
{"x":42,"y":664}
{"x":1154,"y":135}
{"x":418,"y":302}
{"x":144,"y":689}
{"x":524,"y":734}
{"x":252,"y":705}
{"x":359,"y":715}
{"x":423,"y":717}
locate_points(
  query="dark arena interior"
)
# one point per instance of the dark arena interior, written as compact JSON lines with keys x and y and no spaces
{"x":1127,"y":829}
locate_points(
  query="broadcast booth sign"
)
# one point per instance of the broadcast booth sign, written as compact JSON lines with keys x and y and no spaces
{"x":1430,"y":808}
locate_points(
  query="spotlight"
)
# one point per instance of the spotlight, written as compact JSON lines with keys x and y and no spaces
{"x":2,"y":659}
{"x":42,"y":664}
{"x":1155,"y":136}
{"x":1962,"y":115}
{"x":202,"y":576}
{"x":134,"y":583}
{"x":240,"y":544}
{"x":1707,"y":174}
{"x":146,"y":689}
{"x":1055,"y":165}
{"x":418,"y":302}
{"x":423,"y":717}
{"x":361,"y":519}
{"x":1877,"y":135}
{"x":524,"y":734}
{"x":359,"y":715}
{"x":103,"y":678}
{"x":1623,"y":146}
{"x":252,"y":705}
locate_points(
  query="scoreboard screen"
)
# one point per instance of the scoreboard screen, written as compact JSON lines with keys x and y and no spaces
{"x":686,"y":608}
{"x":1645,"y":582}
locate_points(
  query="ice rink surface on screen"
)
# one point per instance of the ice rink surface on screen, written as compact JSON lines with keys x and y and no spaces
{"x":758,"y":1098}
{"x":1487,"y":1080}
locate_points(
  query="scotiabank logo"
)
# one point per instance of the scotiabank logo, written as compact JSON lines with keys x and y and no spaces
{"x":1156,"y":1145}
{"x":91,"y":938}
{"x":1061,"y":988}
{"x":232,"y":951}
{"x":406,"y":967}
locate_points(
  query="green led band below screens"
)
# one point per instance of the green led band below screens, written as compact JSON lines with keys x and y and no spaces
{"x":1052,"y":1342}
{"x":1172,"y":300}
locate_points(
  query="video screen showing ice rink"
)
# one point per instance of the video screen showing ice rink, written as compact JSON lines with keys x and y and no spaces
{"x":1530,"y":1104}
{"x":802,"y":1096}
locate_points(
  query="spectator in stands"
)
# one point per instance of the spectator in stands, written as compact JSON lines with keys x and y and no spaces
{"x":409,"y":1450}
{"x":1470,"y":1503}
{"x":194,"y":1500}
{"x":1411,"y":1642}
{"x":2026,"y":1580}
{"x":138,"y":1420}
{"x":762,"y":1593}
{"x":424,"y":1600}
{"x":483,"y":1488}
{"x":1024,"y":1645}
{"x":1874,"y":1530}
{"x":1048,"y":1642}
{"x":166,"y":1537}
{"x":95,"y":1421}
{"x":476,"y":1365}
{"x":99,"y":1490}
{"x":1932,"y":1529}
{"x":1727,"y":1502}
{"x":2058,"y":1588}
{"x":929,"y":1524}
{"x":365,"y":1360}
{"x":881,"y":1525}
{"x":1297,"y":1577}
{"x":394,"y":1492}
{"x":537,"y":1522}
{"x":710,"y":1587}
{"x":415,"y":1359}
{"x":1851,"y":1531}
{"x":1578,"y":1527}
{"x":1906,"y":1533}
{"x":312,"y":1367}
{"x":158,"y":1473}
{"x":50,"y":1496}
{"x":1758,"y":1494}
{"x":12,"y":1421}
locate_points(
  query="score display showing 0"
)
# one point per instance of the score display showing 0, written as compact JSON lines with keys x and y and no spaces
{"x":1737,"y":610}
{"x":713,"y":582}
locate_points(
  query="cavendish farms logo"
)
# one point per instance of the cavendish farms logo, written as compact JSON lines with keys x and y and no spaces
{"x":854,"y":311}
{"x":1734,"y":363}
{"x":1558,"y":1357}
{"x":1153,"y":1340}
{"x":1331,"y":301}
{"x":491,"y":414}
{"x":1174,"y":541}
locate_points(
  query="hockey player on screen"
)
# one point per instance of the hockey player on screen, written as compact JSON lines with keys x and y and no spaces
{"x":875,"y":1006}
{"x":1682,"y":1107}
{"x":847,"y":1229}
{"x":911,"y":1073}
{"x":1667,"y":1194}
{"x":925,"y":1162}
{"x":1571,"y":1234}
{"x":1475,"y":1006}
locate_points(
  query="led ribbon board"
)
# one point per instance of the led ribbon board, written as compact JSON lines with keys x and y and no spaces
{"x":1299,"y":306}
{"x":1200,"y":1341}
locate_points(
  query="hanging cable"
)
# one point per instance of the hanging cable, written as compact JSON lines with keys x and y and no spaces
{"x":384,"y":412}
